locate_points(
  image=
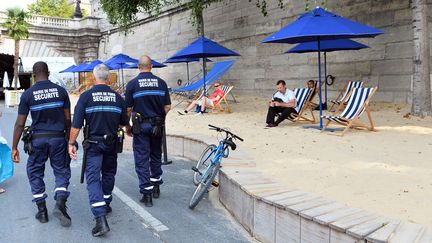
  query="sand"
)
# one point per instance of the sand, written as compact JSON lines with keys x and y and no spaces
{"x":388,"y":172}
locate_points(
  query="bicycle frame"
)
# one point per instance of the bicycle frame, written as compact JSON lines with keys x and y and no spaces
{"x":217,"y":158}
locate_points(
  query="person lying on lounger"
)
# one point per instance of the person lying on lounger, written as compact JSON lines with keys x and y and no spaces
{"x":283,"y":102}
{"x":204,"y":101}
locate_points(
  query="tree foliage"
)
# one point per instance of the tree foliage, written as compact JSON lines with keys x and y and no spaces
{"x":53,"y":8}
{"x":124,"y":12}
{"x":17,"y":29}
{"x":15,"y":24}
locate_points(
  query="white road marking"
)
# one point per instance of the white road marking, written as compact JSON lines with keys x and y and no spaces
{"x":149,"y":220}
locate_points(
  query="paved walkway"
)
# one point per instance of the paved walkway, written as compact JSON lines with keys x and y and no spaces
{"x":169,"y":220}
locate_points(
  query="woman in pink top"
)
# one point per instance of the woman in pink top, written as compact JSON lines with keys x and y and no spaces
{"x":217,"y":94}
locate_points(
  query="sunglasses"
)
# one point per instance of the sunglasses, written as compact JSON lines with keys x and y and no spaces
{"x":217,"y":85}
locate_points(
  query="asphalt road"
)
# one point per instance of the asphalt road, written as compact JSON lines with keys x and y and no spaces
{"x":169,"y":220}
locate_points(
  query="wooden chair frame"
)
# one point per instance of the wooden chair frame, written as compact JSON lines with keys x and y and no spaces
{"x":218,"y":107}
{"x":355,"y":122}
{"x":341,"y":93}
{"x":308,"y":104}
{"x":76,"y":90}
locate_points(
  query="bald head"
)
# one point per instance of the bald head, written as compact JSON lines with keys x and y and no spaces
{"x":145,"y":64}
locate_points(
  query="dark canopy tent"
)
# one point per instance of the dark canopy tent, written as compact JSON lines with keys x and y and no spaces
{"x":6,"y":65}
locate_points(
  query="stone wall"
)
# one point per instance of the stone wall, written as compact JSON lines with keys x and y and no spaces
{"x":78,"y":38}
{"x":239,"y":25}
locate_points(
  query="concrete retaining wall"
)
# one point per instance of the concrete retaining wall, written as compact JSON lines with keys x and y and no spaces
{"x":274,"y":213}
{"x":239,"y":25}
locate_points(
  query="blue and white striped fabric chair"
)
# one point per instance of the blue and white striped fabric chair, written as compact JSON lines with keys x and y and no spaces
{"x":357,"y":104}
{"x":345,"y":91}
{"x":303,"y":99}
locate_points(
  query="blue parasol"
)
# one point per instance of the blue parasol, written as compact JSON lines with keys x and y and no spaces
{"x":120,"y":61}
{"x":185,"y":60}
{"x":155,"y":64}
{"x":319,"y":25}
{"x":327,"y":46}
{"x":202,"y":48}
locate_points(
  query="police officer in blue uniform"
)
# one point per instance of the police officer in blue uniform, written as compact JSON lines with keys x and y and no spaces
{"x":104,"y":112}
{"x":49,"y":106}
{"x":148,"y":101}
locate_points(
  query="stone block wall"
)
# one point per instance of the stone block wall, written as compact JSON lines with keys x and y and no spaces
{"x":239,"y":25}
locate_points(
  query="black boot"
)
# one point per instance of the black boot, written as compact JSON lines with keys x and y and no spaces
{"x":60,"y":212}
{"x":42,"y":214}
{"x":108,"y":208}
{"x":101,"y":227}
{"x":147,"y":200}
{"x":156,"y":191}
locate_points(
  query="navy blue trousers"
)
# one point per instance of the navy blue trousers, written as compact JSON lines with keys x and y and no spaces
{"x":55,"y":150}
{"x":148,"y":163}
{"x":100,"y":176}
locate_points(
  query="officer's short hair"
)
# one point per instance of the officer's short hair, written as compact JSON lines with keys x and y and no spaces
{"x":40,"y":68}
{"x":101,"y":72}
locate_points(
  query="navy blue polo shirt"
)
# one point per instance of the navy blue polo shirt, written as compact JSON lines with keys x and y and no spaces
{"x":46,"y":102}
{"x":102,"y":108}
{"x":148,"y":95}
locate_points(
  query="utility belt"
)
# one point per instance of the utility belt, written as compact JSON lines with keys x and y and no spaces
{"x":28,"y":135}
{"x":157,"y":124}
{"x":108,"y":140}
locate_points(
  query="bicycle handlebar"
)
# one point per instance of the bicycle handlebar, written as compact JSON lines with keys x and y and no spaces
{"x":227,"y":132}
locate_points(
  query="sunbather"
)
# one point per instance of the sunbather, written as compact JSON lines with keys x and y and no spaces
{"x":204,"y":101}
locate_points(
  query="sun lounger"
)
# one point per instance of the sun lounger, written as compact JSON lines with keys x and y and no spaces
{"x":188,"y":82}
{"x":218,"y":70}
{"x":195,"y":89}
{"x":357,"y":104}
{"x":345,"y":91}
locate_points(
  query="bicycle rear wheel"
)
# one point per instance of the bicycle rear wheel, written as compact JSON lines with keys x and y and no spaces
{"x":204,"y":186}
{"x":203,"y":162}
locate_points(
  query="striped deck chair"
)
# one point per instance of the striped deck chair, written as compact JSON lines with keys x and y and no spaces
{"x":303,"y":98}
{"x":357,"y":104}
{"x":345,"y":91}
{"x":217,"y":107}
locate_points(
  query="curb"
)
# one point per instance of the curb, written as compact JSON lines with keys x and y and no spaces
{"x":271,"y":212}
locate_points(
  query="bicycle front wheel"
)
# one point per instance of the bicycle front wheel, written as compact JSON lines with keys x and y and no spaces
{"x":203,"y":162}
{"x":204,"y":186}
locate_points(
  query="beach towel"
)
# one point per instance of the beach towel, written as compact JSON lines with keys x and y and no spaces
{"x":6,"y":164}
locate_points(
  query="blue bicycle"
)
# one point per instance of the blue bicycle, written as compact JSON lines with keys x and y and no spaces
{"x":209,"y":163}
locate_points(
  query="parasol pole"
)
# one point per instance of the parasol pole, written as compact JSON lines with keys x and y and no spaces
{"x":325,"y":77}
{"x":122,"y":79}
{"x":204,"y":73}
{"x":319,"y":81}
{"x":187,"y":67}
